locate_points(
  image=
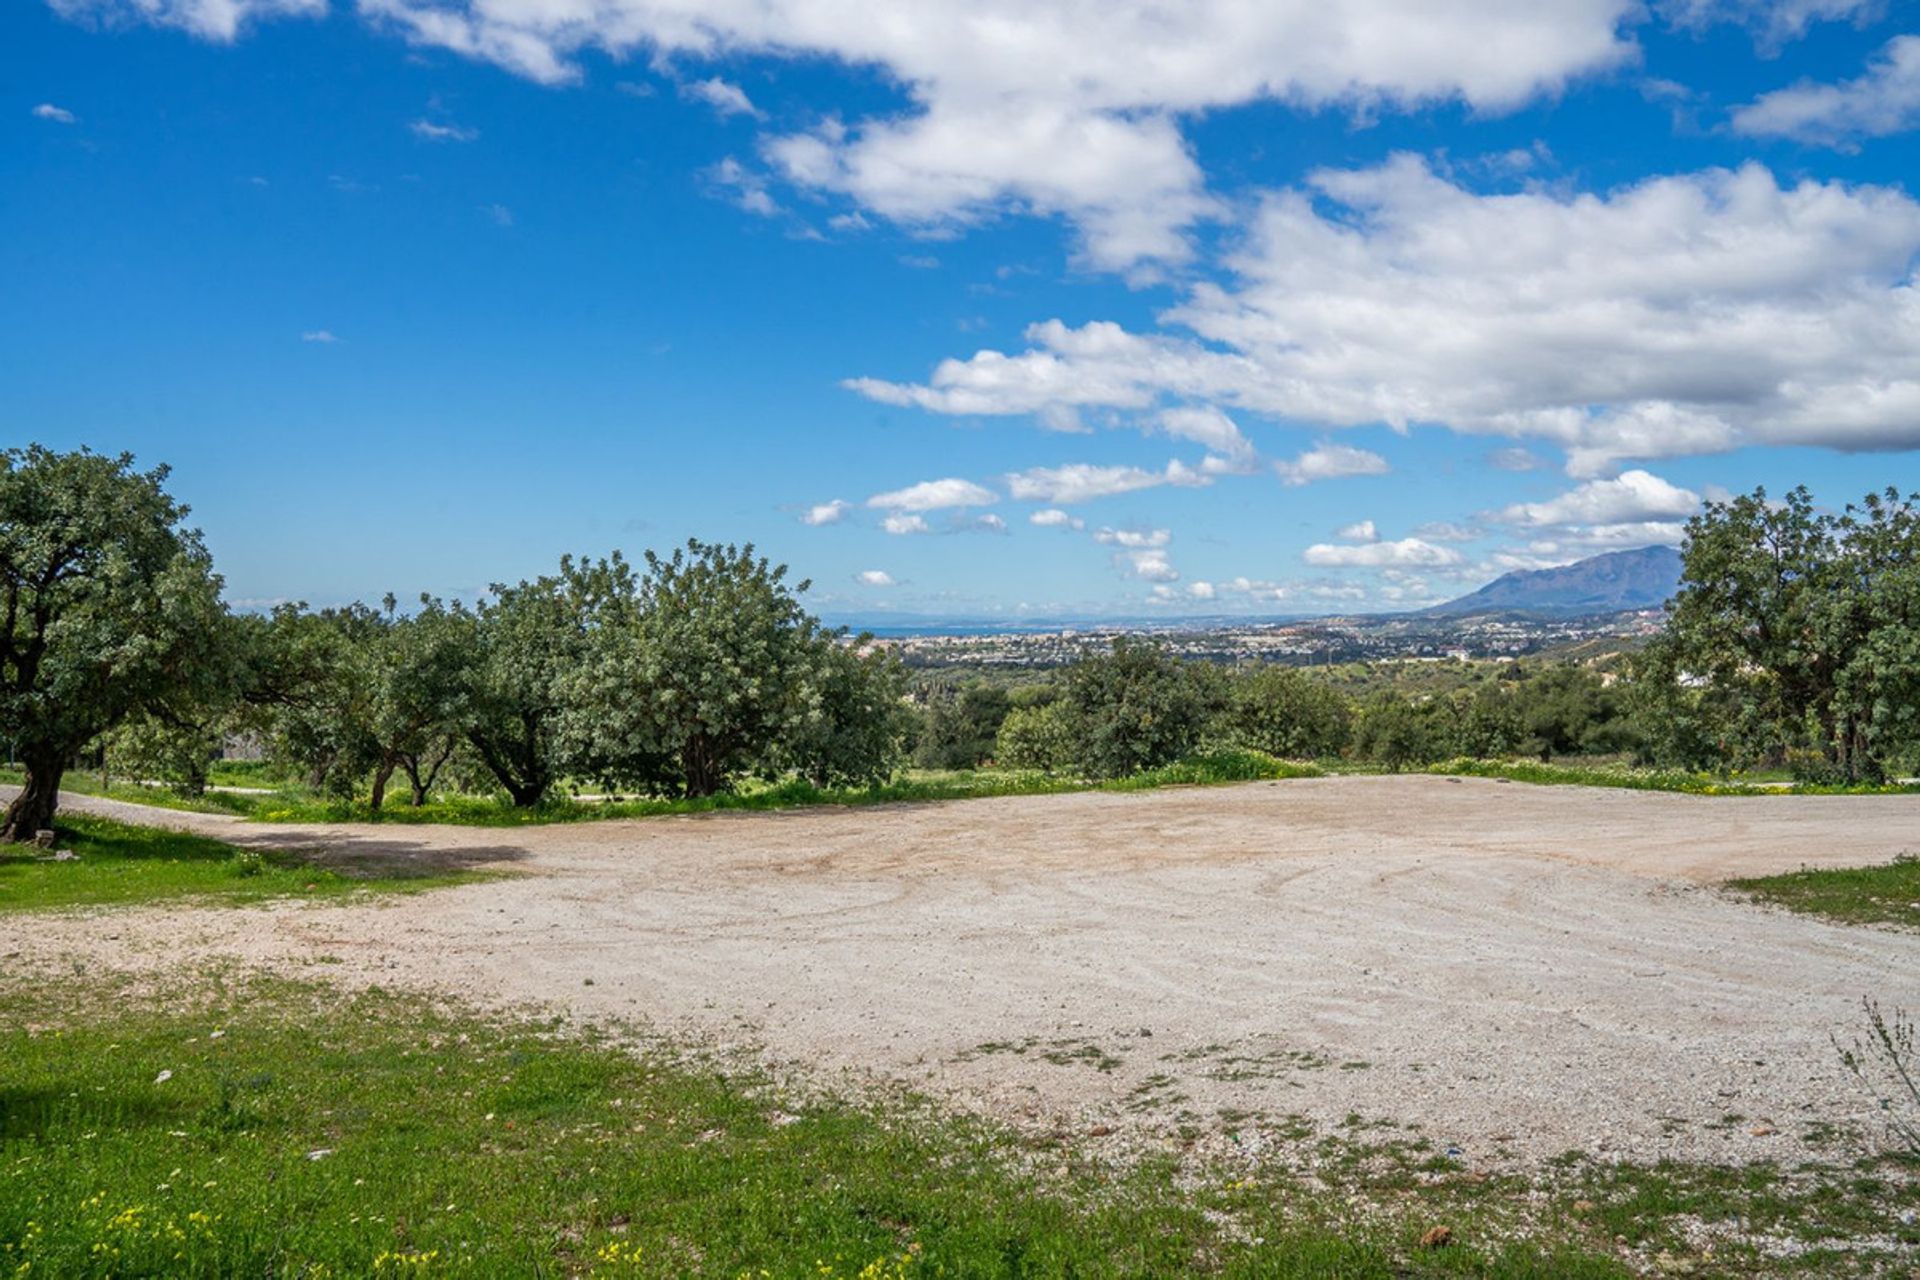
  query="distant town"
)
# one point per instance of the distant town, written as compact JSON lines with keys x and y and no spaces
{"x":1313,"y":642}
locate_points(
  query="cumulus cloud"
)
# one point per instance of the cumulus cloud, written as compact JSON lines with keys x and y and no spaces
{"x":826,"y":513}
{"x":1681,"y":315}
{"x":1082,"y":481}
{"x":219,"y":20}
{"x":935,"y":495}
{"x":1359,"y":531}
{"x":1882,"y":101}
{"x":1406,"y":553}
{"x":59,"y":115}
{"x":900,"y":523}
{"x":1331,"y":462}
{"x":325,"y":337}
{"x":875,"y":578}
{"x":1631,"y":497}
{"x":1054,"y":518}
{"x":434,"y":131}
{"x":725,"y":97}
{"x":1149,"y":564}
{"x":1064,"y":110}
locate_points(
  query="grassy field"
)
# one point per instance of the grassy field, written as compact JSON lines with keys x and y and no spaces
{"x":288,"y":803}
{"x":289,"y":1130}
{"x":1883,"y":895}
{"x":120,"y":863}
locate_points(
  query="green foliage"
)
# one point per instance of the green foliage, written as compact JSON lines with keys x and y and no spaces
{"x":1042,"y":737}
{"x":855,"y":730}
{"x":960,"y":729}
{"x":1138,"y":708}
{"x":1794,"y":638}
{"x":1399,"y":734}
{"x":526,"y":640}
{"x":111,"y":608}
{"x":695,"y":674}
{"x":1286,"y":712}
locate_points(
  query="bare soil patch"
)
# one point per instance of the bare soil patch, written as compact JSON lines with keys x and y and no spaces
{"x":1515,"y":971}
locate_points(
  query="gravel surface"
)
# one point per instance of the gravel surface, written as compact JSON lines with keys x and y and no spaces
{"x":1516,"y":971}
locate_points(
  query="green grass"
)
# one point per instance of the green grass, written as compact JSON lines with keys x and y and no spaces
{"x":121,"y":864}
{"x":292,"y":804}
{"x":1638,"y":779}
{"x":275,"y":1128}
{"x":1887,"y":895}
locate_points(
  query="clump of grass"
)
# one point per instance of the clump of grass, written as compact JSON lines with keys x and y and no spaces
{"x":118,"y":863}
{"x":1885,"y":1061}
{"x":1883,"y":895}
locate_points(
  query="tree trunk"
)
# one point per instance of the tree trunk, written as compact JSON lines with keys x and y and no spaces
{"x":33,"y":809}
{"x":380,"y":777}
{"x":527,"y":788}
{"x":697,"y":762}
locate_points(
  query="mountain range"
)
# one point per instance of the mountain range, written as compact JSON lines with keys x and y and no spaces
{"x":1610,"y":583}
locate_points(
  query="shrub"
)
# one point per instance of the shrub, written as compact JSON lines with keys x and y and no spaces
{"x":1037,"y":737}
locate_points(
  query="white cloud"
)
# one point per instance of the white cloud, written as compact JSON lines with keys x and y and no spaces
{"x":219,"y":20}
{"x":1683,"y":314}
{"x":1054,"y":518}
{"x":935,"y":495}
{"x":875,"y":578}
{"x":322,"y":336}
{"x":498,"y":214}
{"x":826,"y":513}
{"x":725,"y":97}
{"x":901,"y":524}
{"x":1406,"y":553}
{"x":1331,"y":462}
{"x":1773,"y":22}
{"x":744,"y":187}
{"x":1082,"y":482}
{"x":1065,"y":110}
{"x":1150,"y":564}
{"x":1229,"y":452}
{"x":59,"y":115}
{"x":1632,"y":496}
{"x":1137,"y":539}
{"x":1884,"y":100}
{"x":1359,"y":531}
{"x":987,"y":523}
{"x":1200,"y":590}
{"x":433,"y":131}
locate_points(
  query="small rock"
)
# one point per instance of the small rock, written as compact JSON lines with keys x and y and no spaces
{"x":1584,"y":1206}
{"x":1100,"y":1131}
{"x":319,"y":1153}
{"x":1437,"y":1238}
{"x":163,"y":1077}
{"x":44,"y":839}
{"x":1762,"y":1131}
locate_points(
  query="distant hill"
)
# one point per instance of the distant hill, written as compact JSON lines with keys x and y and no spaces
{"x":1619,"y":580}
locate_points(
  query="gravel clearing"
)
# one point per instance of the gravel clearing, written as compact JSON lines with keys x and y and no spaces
{"x":1515,"y":971}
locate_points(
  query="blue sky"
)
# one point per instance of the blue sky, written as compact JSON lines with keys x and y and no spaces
{"x":981,"y":310}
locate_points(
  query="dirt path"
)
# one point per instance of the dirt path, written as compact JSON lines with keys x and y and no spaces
{"x":1518,"y":970}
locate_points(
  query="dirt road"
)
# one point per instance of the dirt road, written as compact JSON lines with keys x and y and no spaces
{"x":1516,"y":970}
